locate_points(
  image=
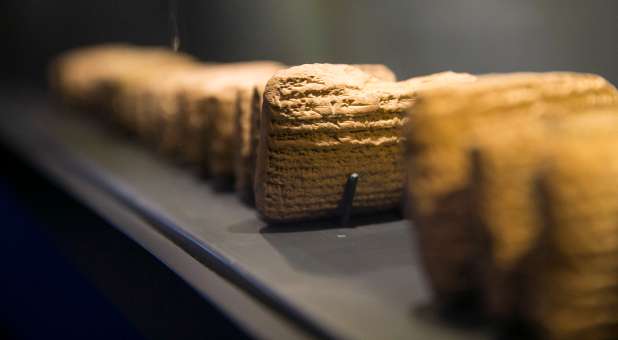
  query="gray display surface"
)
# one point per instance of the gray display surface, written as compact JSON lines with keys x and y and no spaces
{"x":317,"y":279}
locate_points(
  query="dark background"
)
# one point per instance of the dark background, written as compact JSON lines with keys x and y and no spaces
{"x":412,"y":37}
{"x":65,"y":273}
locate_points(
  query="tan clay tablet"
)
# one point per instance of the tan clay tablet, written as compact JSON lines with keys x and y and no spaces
{"x":75,"y":74}
{"x":247,"y":128}
{"x":443,"y":128}
{"x":320,"y":123}
{"x":131,"y":76}
{"x":574,"y":283}
{"x":247,"y":106}
{"x":504,"y":196}
{"x":89,"y":77}
{"x":159,"y":118}
{"x":212,"y":102}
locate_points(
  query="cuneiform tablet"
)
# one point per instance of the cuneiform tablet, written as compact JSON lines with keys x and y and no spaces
{"x":158,"y":117}
{"x":75,"y":75}
{"x":247,"y":129}
{"x":322,"y":122}
{"x":100,"y":78}
{"x":505,"y":200}
{"x":193,"y":110}
{"x":212,"y":102}
{"x":573,"y":285}
{"x":525,"y":276}
{"x":126,"y":89}
{"x":444,"y":128}
{"x":247,"y":109}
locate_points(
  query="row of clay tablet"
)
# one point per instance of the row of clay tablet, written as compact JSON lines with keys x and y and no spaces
{"x":507,"y":178}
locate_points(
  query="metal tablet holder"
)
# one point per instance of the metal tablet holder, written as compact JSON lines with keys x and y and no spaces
{"x":345,"y":206}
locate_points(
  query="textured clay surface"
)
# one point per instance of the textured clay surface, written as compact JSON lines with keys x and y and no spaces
{"x":505,"y":198}
{"x":92,"y":78}
{"x":159,"y":118}
{"x":223,"y":93}
{"x":207,"y":107}
{"x":574,"y":283}
{"x":247,"y":106}
{"x":527,"y":274}
{"x":446,"y":128}
{"x":322,"y":122}
{"x":247,"y":130}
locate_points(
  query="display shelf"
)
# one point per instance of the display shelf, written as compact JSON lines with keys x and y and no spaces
{"x":312,"y":280}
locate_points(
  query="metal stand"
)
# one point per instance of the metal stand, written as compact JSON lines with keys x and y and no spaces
{"x":345,"y":207}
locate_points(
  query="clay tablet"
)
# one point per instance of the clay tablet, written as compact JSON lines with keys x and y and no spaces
{"x":247,"y":130}
{"x":322,"y":122}
{"x":445,"y":126}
